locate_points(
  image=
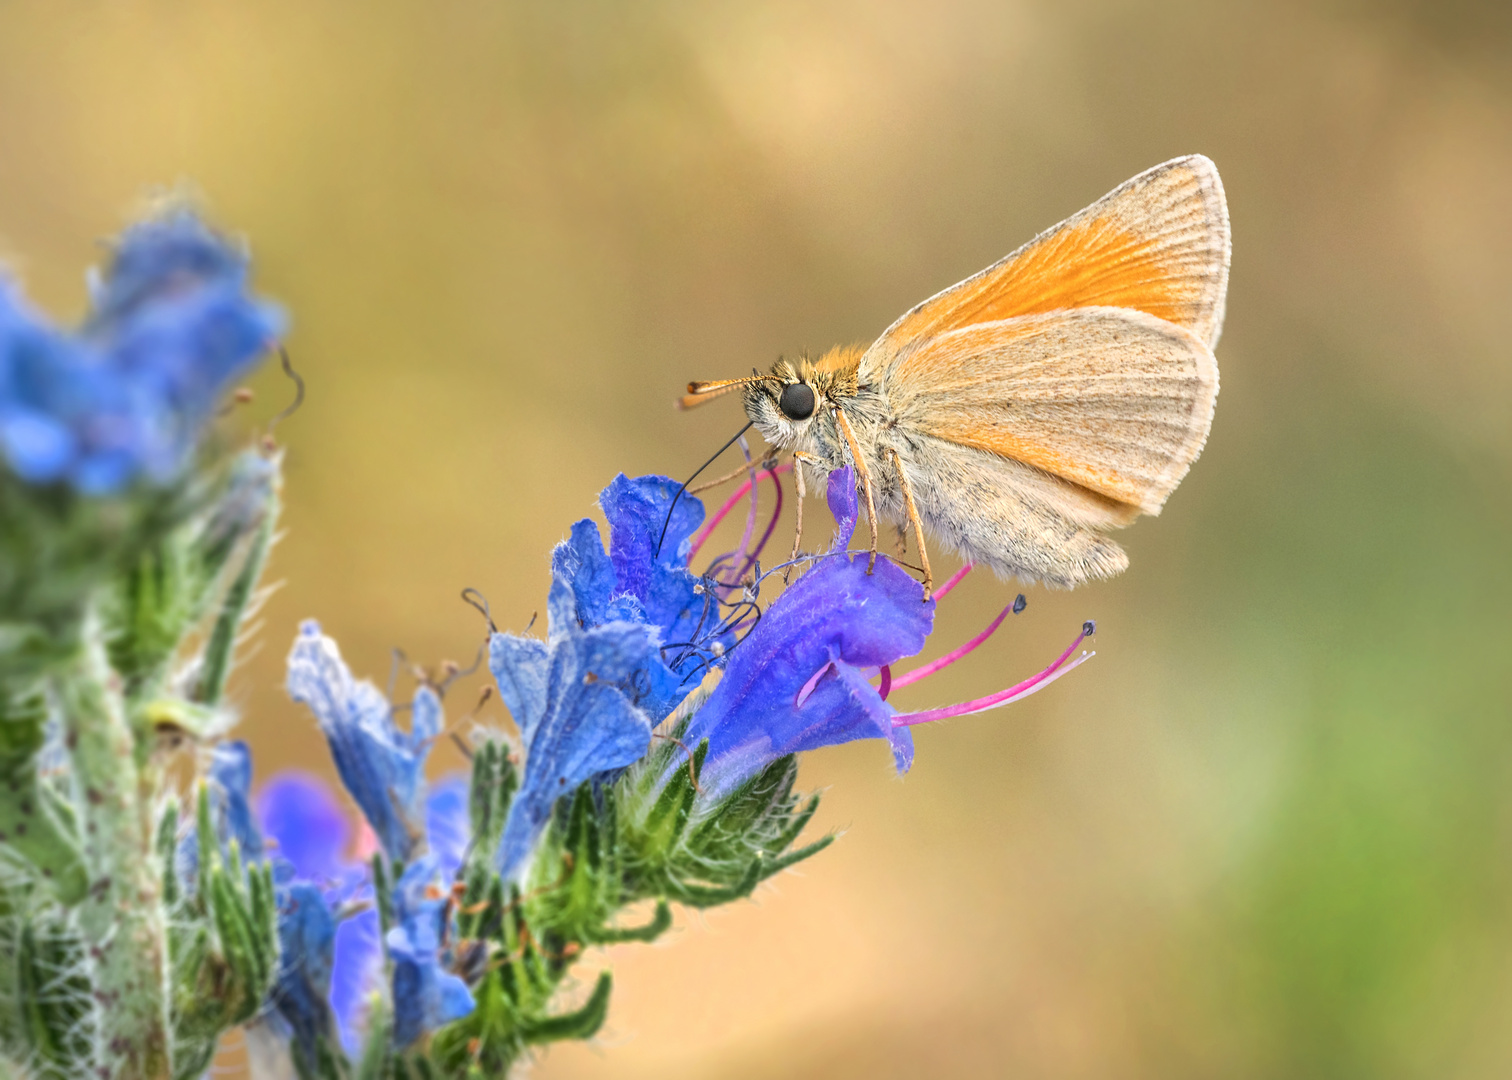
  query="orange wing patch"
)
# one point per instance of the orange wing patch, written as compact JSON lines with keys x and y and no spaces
{"x":1158,"y":244}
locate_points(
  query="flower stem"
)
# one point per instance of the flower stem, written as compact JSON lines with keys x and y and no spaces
{"x":121,"y":918}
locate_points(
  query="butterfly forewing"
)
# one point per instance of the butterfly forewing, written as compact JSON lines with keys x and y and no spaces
{"x":1158,"y":243}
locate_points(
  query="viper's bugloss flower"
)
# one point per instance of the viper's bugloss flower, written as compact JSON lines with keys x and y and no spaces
{"x":306,"y":946}
{"x":568,"y":698}
{"x":310,"y":831}
{"x":799,"y":681}
{"x":126,"y":396}
{"x":306,"y":923}
{"x":426,"y":995}
{"x":382,"y":766}
{"x":230,"y":776}
{"x":644,"y":578}
{"x":332,"y":966}
{"x":357,"y":978}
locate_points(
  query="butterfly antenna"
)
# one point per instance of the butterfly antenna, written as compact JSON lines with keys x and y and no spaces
{"x":660,"y":539}
{"x":700,"y":392}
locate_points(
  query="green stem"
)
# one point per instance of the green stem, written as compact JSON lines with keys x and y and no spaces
{"x":121,"y":918}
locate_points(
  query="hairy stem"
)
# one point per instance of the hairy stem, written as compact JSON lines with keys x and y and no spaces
{"x":121,"y":918}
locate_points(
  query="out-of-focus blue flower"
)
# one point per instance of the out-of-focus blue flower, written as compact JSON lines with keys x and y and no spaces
{"x":574,"y":719}
{"x":426,"y":995}
{"x":382,"y":767}
{"x":448,"y":823}
{"x":230,"y":776}
{"x":635,"y":584}
{"x":310,"y":830}
{"x":357,"y":975}
{"x":306,"y":924}
{"x":306,"y":940}
{"x":796,"y":682}
{"x":173,"y":325}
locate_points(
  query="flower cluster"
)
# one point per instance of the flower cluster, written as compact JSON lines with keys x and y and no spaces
{"x":632,"y":632}
{"x":652,"y":760}
{"x":125,"y":397}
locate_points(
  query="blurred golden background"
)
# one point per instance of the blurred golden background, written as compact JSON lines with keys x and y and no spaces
{"x":1267,"y":832}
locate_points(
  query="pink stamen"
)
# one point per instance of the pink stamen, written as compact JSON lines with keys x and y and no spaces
{"x":808,"y":687}
{"x":704,"y":533}
{"x":1005,"y":697}
{"x":955,"y":579}
{"x":887,"y":684}
{"x":910,"y":677}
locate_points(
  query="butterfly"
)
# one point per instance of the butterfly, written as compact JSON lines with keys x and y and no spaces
{"x":1020,"y":414}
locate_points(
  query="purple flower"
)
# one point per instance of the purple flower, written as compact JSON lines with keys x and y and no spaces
{"x":382,"y":767}
{"x":310,"y":830}
{"x":575,"y":718}
{"x":799,"y":680}
{"x":173,"y":325}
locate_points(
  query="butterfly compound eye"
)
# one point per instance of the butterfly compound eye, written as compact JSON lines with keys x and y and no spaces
{"x":797,"y":401}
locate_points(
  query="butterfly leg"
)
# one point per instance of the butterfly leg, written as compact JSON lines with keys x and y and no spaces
{"x":866,"y":484}
{"x":914,"y":520}
{"x":799,"y":457}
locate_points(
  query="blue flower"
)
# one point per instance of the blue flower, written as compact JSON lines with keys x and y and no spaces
{"x":230,"y":776}
{"x":357,"y":976}
{"x":426,"y":995}
{"x":306,"y":924}
{"x":575,"y":720}
{"x":382,"y":767}
{"x":636,"y":584}
{"x":125,"y":398}
{"x":306,"y":945}
{"x":798,"y":680}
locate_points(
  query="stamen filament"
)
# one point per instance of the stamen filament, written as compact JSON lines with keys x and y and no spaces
{"x":1005,"y":697}
{"x":910,"y":677}
{"x":955,"y":579}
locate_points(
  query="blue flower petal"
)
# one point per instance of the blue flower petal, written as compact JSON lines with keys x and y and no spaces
{"x":636,"y":510}
{"x":306,"y":938}
{"x":382,"y":767}
{"x":357,"y":975}
{"x":582,"y":562}
{"x":448,"y":823}
{"x":230,"y":797}
{"x":161,"y":258}
{"x":794,"y":684}
{"x":128,"y":397}
{"x":426,"y":995}
{"x":574,"y":722}
{"x":634,"y":583}
{"x":309,"y":826}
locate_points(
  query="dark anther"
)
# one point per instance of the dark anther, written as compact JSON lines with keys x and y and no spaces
{"x":1019,"y":604}
{"x":797,"y":401}
{"x":299,"y":390}
{"x":1089,"y":628}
